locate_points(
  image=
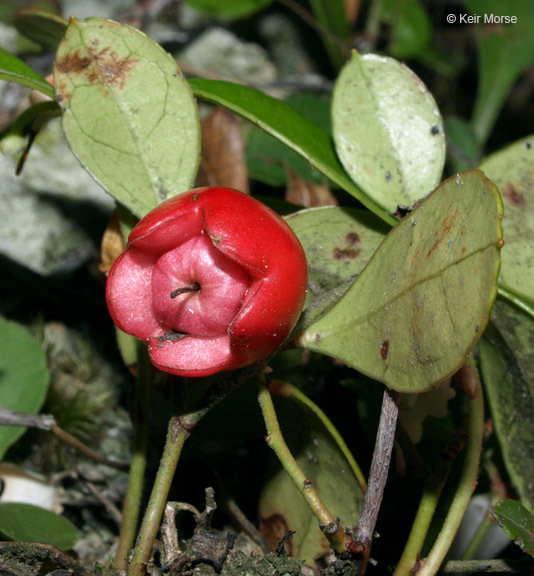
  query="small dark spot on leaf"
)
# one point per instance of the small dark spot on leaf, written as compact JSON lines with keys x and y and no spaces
{"x":513,"y":195}
{"x":352,"y":238}
{"x":346,"y":254}
{"x":528,"y":144}
{"x":388,"y":176}
{"x":434,"y":130}
{"x":384,"y":349}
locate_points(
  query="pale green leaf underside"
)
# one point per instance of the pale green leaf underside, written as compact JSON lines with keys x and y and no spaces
{"x":512,"y":170}
{"x":129,"y":115}
{"x":338,"y":242}
{"x":387,"y":130}
{"x":422,"y":302}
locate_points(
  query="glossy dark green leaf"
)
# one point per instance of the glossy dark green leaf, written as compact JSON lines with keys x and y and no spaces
{"x":334,"y":26}
{"x":44,"y":28}
{"x":28,"y":523}
{"x":506,"y":362}
{"x":517,"y":523}
{"x":129,"y":115}
{"x":268,"y":159}
{"x":387,"y":130}
{"x":229,"y":9}
{"x":410,"y":27}
{"x":422,"y":302}
{"x":512,"y":170}
{"x":287,"y":125}
{"x":324,"y":464}
{"x":505,"y":51}
{"x":23,"y":377}
{"x":13,"y":69}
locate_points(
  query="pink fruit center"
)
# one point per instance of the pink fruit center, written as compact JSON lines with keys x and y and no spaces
{"x":197,"y":290}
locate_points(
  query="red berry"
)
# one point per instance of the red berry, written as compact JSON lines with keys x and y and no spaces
{"x":211,"y":280}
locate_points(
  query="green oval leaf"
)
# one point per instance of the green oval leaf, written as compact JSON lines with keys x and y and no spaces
{"x":506,"y":361}
{"x":387,"y":130}
{"x":287,"y":125}
{"x":504,"y":51}
{"x":420,"y":305}
{"x":129,"y":115}
{"x":28,"y":523}
{"x":517,"y":523}
{"x":14,"y":70}
{"x":23,"y":377}
{"x":44,"y":28}
{"x":348,"y":239}
{"x":512,"y":170}
{"x":321,"y":459}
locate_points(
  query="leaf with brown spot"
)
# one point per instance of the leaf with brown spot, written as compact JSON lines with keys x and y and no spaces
{"x":421,"y":292}
{"x":338,"y":242}
{"x":307,"y":194}
{"x":512,"y":170}
{"x":223,"y":161}
{"x":128,"y":114}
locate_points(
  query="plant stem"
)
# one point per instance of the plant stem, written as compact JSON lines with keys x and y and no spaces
{"x":372,"y":26}
{"x":427,"y":507}
{"x":334,"y":533}
{"x":466,"y":486}
{"x":176,"y":437}
{"x":289,"y":391}
{"x":177,"y":434}
{"x":519,"y":302}
{"x":379,"y":471}
{"x":478,"y":538}
{"x":421,"y":524}
{"x":132,"y":502}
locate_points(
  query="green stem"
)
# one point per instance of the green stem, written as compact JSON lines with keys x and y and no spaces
{"x":132,"y":503}
{"x":289,"y":391}
{"x":480,"y":534}
{"x":176,"y":437}
{"x":468,"y":481}
{"x":421,"y":524}
{"x":177,"y":434}
{"x":372,"y":26}
{"x":519,"y":302}
{"x":335,"y":535}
